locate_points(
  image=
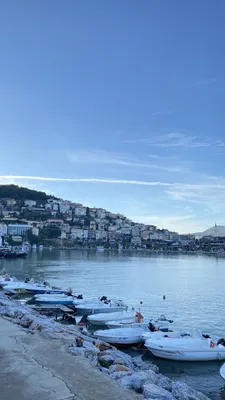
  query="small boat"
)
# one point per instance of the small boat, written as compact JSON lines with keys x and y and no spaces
{"x":162,"y":334}
{"x":188,"y":349}
{"x":222,"y":371}
{"x":101,"y":307}
{"x":104,"y":318}
{"x":23,"y":287}
{"x":121,"y":336}
{"x":6,"y":280}
{"x":162,"y":323}
{"x":54,"y":299}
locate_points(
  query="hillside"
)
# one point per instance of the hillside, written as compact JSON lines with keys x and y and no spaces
{"x":219,"y":230}
{"x":22,"y":193}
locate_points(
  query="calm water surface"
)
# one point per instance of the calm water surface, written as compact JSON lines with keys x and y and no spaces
{"x":193,"y":285}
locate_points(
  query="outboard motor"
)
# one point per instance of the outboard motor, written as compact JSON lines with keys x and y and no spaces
{"x":103,"y":298}
{"x":151,"y":327}
{"x":80,"y":297}
{"x":206,"y":336}
{"x":221,"y":341}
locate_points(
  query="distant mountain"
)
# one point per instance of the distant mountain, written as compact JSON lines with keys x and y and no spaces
{"x":218,"y":230}
{"x":22,"y":193}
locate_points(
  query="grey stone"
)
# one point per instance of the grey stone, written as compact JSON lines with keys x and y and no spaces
{"x":106,"y":360}
{"x":164,"y":382}
{"x":152,"y":391}
{"x":120,"y":374}
{"x":119,"y":361}
{"x":139,"y":379}
{"x":181,"y":391}
{"x":25,"y":321}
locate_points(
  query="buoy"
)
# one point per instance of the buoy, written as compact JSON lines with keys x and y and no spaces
{"x":141,"y":302}
{"x":164,"y":297}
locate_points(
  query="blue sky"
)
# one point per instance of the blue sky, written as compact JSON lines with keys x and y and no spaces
{"x":117,"y":104}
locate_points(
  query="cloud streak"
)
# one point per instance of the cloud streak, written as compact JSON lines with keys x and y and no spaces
{"x":190,"y":186}
{"x":102,"y":157}
{"x":176,"y":140}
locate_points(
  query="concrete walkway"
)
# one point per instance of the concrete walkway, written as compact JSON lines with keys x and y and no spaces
{"x":33,"y":367}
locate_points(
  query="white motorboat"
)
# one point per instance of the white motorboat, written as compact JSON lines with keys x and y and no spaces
{"x":222,"y":371}
{"x":121,"y":336}
{"x":187,"y":349}
{"x":23,"y":287}
{"x":104,"y":318}
{"x":54,"y":299}
{"x":6,"y":280}
{"x":101,"y":307}
{"x":161,"y":334}
{"x":162,"y":323}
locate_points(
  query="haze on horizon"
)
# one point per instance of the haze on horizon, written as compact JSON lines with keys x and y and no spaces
{"x":117,"y":104}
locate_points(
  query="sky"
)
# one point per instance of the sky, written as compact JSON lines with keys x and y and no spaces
{"x":118,"y":104}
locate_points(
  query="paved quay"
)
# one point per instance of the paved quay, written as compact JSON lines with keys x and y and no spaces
{"x":34,"y":367}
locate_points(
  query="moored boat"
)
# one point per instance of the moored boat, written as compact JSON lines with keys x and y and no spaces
{"x":187,"y":349}
{"x":54,"y":299}
{"x":101,"y":307}
{"x":122,"y":336}
{"x":104,"y":318}
{"x":222,"y":371}
{"x":23,"y":287}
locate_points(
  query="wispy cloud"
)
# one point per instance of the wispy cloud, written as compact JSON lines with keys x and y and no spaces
{"x":159,"y":113}
{"x":103,"y":157}
{"x":176,"y":140}
{"x":188,"y":186}
{"x":204,"y":82}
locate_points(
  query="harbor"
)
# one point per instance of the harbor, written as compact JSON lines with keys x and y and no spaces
{"x":108,"y":273}
{"x":49,"y":345}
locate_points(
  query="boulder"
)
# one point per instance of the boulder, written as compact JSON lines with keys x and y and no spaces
{"x":119,"y":375}
{"x":117,"y":354}
{"x":164,"y":382}
{"x":152,"y":391}
{"x":125,"y":381}
{"x":105,"y":360}
{"x":119,"y":361}
{"x":139,"y":379}
{"x":181,"y":391}
{"x":118,"y":368}
{"x":25,"y":321}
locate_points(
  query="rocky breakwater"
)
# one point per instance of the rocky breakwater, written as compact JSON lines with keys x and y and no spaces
{"x":128,"y":372}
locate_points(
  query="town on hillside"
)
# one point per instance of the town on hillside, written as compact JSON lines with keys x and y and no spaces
{"x":38,"y":219}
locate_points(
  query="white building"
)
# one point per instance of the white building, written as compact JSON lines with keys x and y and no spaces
{"x":64,"y":207}
{"x":30,"y":203}
{"x":101,"y":235}
{"x":80,"y":211}
{"x":3,"y":229}
{"x":85,"y":234}
{"x":136,"y":240}
{"x":77,"y":233}
{"x":18,"y":229}
{"x":35,"y":231}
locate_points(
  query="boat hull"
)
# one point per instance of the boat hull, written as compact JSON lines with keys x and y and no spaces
{"x":98,"y":310}
{"x":189,"y":355}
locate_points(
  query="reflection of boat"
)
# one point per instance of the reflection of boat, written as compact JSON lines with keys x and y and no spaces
{"x":100,"y":248}
{"x":54,"y":299}
{"x":101,"y":307}
{"x":122,"y":336}
{"x":104,"y":318}
{"x":8,"y":253}
{"x":192,"y":348}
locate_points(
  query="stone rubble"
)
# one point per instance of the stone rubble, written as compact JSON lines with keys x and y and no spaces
{"x":132,"y":373}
